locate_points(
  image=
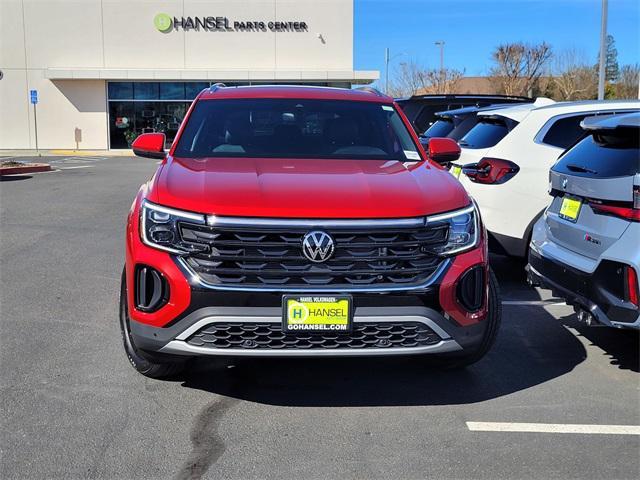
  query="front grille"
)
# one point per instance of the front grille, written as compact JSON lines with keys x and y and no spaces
{"x":270,"y":336}
{"x":273,"y":257}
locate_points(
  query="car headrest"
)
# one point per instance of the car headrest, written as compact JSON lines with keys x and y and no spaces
{"x":342,"y":131}
{"x":237,"y":131}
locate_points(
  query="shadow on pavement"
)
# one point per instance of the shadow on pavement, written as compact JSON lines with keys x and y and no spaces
{"x":622,"y":346}
{"x":13,"y":178}
{"x":530,"y":350}
{"x":512,"y":278}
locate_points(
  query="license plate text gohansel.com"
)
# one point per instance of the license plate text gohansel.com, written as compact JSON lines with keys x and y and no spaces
{"x":317,"y":313}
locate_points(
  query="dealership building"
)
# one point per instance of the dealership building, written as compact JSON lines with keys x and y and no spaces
{"x":93,"y":74}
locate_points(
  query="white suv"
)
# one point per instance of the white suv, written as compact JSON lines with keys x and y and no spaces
{"x":509,"y":180}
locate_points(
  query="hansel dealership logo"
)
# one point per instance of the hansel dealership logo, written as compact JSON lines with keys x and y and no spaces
{"x":165,"y":23}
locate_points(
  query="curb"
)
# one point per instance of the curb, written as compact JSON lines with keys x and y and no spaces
{"x":32,"y":168}
{"x":66,"y":153}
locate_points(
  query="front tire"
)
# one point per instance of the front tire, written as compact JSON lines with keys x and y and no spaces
{"x":146,"y":363}
{"x":494,"y":318}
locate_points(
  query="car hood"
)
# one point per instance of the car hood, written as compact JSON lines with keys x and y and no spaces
{"x":303,"y":188}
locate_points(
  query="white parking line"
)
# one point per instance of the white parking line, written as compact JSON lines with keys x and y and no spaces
{"x":79,"y":166}
{"x":553,"y":428}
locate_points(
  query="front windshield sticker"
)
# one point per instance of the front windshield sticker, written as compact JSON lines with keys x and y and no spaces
{"x":411,"y":155}
{"x":387,"y":108}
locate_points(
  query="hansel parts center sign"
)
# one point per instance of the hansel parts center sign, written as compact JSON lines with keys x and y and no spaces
{"x":166,"y":23}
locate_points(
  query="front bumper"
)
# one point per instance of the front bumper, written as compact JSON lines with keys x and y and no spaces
{"x":445,"y":335}
{"x":179,"y":339}
{"x":192,"y":305}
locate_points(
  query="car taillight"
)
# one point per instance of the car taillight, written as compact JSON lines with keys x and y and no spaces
{"x":632,"y":286}
{"x":491,"y":171}
{"x":628,"y":213}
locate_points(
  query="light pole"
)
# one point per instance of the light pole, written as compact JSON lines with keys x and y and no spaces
{"x":387,"y":59}
{"x":603,"y":53}
{"x":440,"y":43}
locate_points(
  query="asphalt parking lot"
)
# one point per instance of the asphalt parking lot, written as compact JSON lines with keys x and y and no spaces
{"x":72,"y":407}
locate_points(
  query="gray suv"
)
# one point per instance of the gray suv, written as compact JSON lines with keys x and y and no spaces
{"x":586,"y":246}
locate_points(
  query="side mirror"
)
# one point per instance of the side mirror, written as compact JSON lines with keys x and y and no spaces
{"x":149,"y":145}
{"x":443,"y":150}
{"x":491,"y":171}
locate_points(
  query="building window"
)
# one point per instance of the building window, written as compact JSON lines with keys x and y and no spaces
{"x":120,"y":90}
{"x":146,"y":107}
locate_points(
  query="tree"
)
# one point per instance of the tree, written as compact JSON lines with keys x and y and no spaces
{"x":573,"y":78}
{"x":413,"y":78}
{"x":407,"y":80}
{"x":627,"y":84}
{"x":518,"y":66}
{"x":611,"y":69}
{"x":445,"y":81}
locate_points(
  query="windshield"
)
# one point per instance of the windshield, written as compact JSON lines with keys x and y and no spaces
{"x":485,"y":134}
{"x":441,"y":128}
{"x":296,"y":128}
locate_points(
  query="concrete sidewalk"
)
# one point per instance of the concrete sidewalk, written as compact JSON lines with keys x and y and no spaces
{"x":65,"y":153}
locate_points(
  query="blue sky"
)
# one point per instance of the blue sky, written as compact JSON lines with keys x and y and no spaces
{"x":472,"y":28}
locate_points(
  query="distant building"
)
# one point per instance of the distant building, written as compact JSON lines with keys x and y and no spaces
{"x":104,"y":72}
{"x":487,"y":86}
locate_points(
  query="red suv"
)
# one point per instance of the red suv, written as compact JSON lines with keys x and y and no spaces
{"x":300,"y":222}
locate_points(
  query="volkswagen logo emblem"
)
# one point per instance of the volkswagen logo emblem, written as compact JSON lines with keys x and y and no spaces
{"x":318,"y":246}
{"x":565,"y":182}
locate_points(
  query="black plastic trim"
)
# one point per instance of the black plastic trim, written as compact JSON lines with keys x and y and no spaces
{"x":151,"y":290}
{"x":471,"y":288}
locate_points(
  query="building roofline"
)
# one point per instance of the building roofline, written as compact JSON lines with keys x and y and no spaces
{"x":353,"y":76}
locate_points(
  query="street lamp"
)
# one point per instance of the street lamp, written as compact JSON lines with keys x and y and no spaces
{"x":440,"y":43}
{"x":603,"y":53}
{"x":387,"y":59}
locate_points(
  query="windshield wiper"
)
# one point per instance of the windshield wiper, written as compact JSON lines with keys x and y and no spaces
{"x":462,"y":143}
{"x":581,"y":169}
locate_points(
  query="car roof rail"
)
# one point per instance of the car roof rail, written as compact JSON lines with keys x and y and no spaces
{"x":375,"y":91}
{"x":216,"y":86}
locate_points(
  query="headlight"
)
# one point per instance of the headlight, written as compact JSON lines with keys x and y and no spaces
{"x":160,"y":228}
{"x":464,"y":228}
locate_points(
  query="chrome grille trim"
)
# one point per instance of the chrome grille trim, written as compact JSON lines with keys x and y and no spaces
{"x":197,"y":280}
{"x":248,"y":222}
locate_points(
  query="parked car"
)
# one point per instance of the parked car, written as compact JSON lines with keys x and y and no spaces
{"x":302,"y":221}
{"x":421,"y":109}
{"x":455,"y":124}
{"x":509,"y":178}
{"x":586,"y":247}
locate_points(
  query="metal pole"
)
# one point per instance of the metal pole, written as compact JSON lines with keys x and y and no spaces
{"x":386,"y":71}
{"x":603,"y":53}
{"x":440,"y":43}
{"x":35,"y":121}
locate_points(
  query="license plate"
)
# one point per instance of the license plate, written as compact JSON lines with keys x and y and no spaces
{"x":316,"y":313}
{"x":455,"y":170}
{"x":570,"y":208}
